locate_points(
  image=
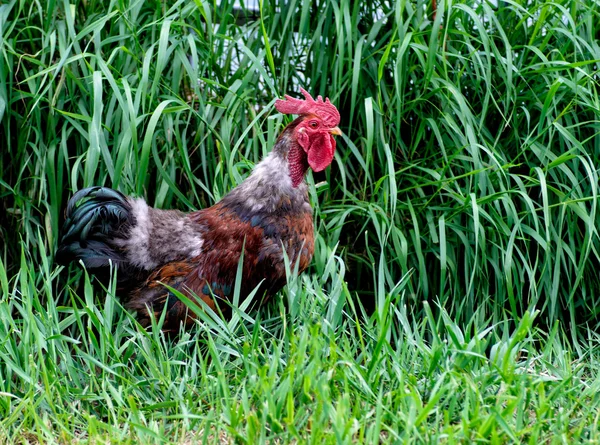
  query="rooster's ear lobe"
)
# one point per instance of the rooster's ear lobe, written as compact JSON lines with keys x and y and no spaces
{"x":302,"y":139}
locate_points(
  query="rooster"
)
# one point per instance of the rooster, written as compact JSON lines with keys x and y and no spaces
{"x":197,"y":253}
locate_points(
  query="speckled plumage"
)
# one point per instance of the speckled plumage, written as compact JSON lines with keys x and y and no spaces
{"x":198,"y":253}
{"x":158,"y":236}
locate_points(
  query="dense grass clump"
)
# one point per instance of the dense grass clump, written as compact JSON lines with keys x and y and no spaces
{"x":454,"y":292}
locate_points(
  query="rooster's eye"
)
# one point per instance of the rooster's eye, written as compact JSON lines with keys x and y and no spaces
{"x":313,"y":124}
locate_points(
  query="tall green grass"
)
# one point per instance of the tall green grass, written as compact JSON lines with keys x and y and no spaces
{"x":454,"y":290}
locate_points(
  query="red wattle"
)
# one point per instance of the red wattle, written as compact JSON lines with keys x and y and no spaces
{"x":320,"y":152}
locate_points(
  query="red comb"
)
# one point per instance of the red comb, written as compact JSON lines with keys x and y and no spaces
{"x":324,"y":109}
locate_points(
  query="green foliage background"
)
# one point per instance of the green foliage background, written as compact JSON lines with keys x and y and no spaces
{"x":460,"y":213}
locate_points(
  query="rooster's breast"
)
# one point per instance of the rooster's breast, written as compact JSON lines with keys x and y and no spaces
{"x":263,"y":237}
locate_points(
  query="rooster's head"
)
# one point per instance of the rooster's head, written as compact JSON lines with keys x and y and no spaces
{"x":315,"y":130}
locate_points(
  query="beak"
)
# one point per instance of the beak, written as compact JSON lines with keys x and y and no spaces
{"x":336,"y":131}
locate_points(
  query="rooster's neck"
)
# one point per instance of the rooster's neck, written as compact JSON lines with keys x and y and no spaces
{"x":276,"y":184}
{"x":288,"y":149}
{"x":297,"y":164}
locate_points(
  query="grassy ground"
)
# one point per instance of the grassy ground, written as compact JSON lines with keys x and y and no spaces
{"x":454,"y":292}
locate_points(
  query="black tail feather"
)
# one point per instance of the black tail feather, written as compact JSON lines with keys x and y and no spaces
{"x":95,"y":216}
